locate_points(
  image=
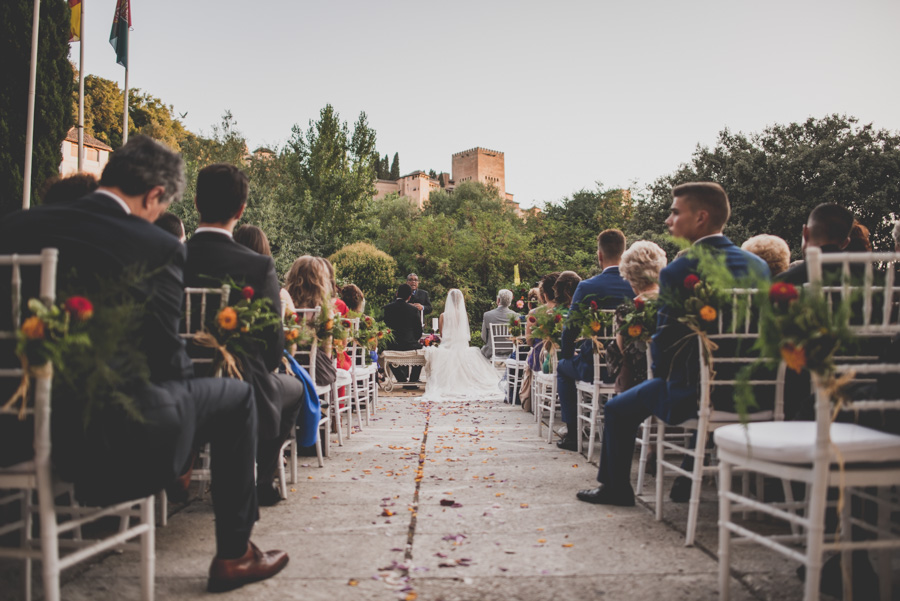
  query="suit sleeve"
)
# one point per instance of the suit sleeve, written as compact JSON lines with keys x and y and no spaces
{"x":567,"y":350}
{"x":484,"y":328}
{"x":166,"y":355}
{"x":666,"y":331}
{"x":274,"y":337}
{"x":426,"y":304}
{"x":417,"y":323}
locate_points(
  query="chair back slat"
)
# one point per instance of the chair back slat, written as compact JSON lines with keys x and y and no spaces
{"x":306,"y":357}
{"x":195,"y":319}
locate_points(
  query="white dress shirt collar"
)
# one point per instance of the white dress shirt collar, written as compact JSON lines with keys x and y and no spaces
{"x":719,"y":235}
{"x":214,"y":230}
{"x":116,"y":198}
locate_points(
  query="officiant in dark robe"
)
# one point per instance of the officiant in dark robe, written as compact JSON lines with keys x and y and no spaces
{"x":404,"y":320}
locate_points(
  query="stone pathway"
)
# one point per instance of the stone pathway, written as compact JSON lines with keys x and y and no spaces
{"x":454,"y":501}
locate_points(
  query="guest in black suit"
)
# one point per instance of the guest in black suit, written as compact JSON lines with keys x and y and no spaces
{"x":419,"y":298}
{"x":828,"y":227}
{"x":102,"y":238}
{"x":213,"y":256}
{"x":403,"y":319}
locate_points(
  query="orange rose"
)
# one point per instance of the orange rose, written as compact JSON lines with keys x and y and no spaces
{"x":595,"y":326}
{"x":707,"y":313}
{"x":292,"y":335}
{"x":380,"y":334}
{"x":635,"y":330}
{"x":228,"y":319}
{"x":371,"y":341}
{"x":794,"y":357}
{"x":329,"y":324}
{"x":33,"y":328}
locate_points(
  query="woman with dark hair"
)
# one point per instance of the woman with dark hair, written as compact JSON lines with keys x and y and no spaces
{"x":564,"y":288}
{"x":547,"y":298}
{"x":353,"y":298}
{"x":253,"y":238}
{"x":859,"y":239}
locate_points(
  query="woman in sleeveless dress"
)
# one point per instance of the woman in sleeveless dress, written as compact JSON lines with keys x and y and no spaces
{"x":454,"y":370}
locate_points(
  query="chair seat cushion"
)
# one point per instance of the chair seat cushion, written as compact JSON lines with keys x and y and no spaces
{"x":794,"y":442}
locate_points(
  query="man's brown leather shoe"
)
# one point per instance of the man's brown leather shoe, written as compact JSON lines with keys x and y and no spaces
{"x":255,"y":565}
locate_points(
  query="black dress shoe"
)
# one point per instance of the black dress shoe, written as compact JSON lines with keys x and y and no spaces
{"x":267,"y":495}
{"x":681,"y":490}
{"x":602,"y":496}
{"x":568,"y":444}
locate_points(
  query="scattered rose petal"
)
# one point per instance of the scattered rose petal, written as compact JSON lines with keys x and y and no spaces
{"x":567,"y":545}
{"x":353,"y":582}
{"x":542,"y":540}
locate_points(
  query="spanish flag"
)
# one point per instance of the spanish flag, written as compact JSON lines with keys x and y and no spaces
{"x":75,"y":24}
{"x":118,"y":37}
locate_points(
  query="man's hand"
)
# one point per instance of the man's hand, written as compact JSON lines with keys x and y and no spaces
{"x":417,"y":306}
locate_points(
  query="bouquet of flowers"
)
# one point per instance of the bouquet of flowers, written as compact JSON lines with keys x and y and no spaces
{"x":589,"y":320}
{"x":238,"y":328}
{"x":517,"y":327}
{"x":547,"y":326}
{"x":373,"y":334}
{"x":430,"y":340}
{"x":46,"y":338}
{"x":296,"y":331}
{"x":638,"y":321}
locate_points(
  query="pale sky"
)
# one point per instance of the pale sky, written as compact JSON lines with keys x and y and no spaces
{"x":573,"y":92}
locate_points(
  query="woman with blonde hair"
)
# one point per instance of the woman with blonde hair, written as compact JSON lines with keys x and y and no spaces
{"x":309,"y":286}
{"x":771,"y":249}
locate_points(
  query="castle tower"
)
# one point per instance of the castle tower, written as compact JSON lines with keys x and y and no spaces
{"x":480,"y":165}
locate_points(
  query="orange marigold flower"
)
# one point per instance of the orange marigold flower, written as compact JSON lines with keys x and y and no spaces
{"x":595,"y":326}
{"x":794,"y":356}
{"x":292,"y":335}
{"x":371,"y":341}
{"x":33,"y":328}
{"x":80,"y":308}
{"x":228,"y":319}
{"x":329,"y":324}
{"x":635,"y":330}
{"x":708,"y":313}
{"x":381,"y":334}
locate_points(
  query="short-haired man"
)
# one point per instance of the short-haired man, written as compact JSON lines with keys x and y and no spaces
{"x":419,"y":298}
{"x":828,"y":228}
{"x":403,"y":320}
{"x":608,"y":289}
{"x":169,"y":222}
{"x":214,"y":257}
{"x":500,"y":314}
{"x":698,"y":213}
{"x":104,"y":237}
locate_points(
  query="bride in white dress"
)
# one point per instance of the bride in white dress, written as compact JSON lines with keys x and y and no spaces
{"x":454,"y":370}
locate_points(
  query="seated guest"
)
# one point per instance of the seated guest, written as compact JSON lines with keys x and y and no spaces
{"x":500,"y":314}
{"x":353,"y":298}
{"x":253,"y":238}
{"x":608,"y":289}
{"x":828,"y":228}
{"x":339,"y":306}
{"x":564,"y":288}
{"x":534,"y":298}
{"x":109,"y":234}
{"x":859,"y":238}
{"x":699,"y":212}
{"x":403,"y":319}
{"x":309,"y":286}
{"x":640,"y":267}
{"x":771,"y":249}
{"x":214,"y":257}
{"x":170,"y":222}
{"x":547,"y":302}
{"x":66,"y":189}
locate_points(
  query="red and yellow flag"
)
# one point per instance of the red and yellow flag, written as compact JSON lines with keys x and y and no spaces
{"x":75,"y":25}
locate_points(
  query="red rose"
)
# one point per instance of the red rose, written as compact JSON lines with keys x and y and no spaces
{"x":558,"y":318}
{"x":80,"y":308}
{"x":691,"y":281}
{"x":782,"y":292}
{"x":296,"y":318}
{"x":247,"y":292}
{"x":532,"y":319}
{"x":593,"y":305}
{"x":639,"y":304}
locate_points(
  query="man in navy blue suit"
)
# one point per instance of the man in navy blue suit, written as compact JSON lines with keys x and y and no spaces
{"x":608,"y":289}
{"x":699,"y":212}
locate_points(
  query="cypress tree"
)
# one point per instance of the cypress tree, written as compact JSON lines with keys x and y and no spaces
{"x":386,"y":167}
{"x":52,"y":107}
{"x":395,"y":167}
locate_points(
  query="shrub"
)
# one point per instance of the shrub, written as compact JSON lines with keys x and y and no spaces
{"x":372,"y":270}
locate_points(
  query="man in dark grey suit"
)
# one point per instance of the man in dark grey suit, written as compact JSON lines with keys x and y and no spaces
{"x":419,"y":298}
{"x":499,"y":315}
{"x":214,"y":257}
{"x":103,"y":238}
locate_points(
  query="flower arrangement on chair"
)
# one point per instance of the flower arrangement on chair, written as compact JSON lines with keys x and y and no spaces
{"x":297,"y":333}
{"x":547,"y":326}
{"x":638,"y":321}
{"x":46,"y":338}
{"x":589,"y":320}
{"x":372,"y":335}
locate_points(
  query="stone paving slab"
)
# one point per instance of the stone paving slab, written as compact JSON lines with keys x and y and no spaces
{"x":371,"y":525}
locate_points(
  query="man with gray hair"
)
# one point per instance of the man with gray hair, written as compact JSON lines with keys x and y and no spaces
{"x":499,"y":315}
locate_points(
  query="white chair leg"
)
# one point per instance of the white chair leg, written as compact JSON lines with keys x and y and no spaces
{"x":148,"y":550}
{"x":660,"y":437}
{"x":885,"y":577}
{"x":336,"y":413}
{"x":696,"y":485}
{"x":49,"y":545}
{"x":816,"y":494}
{"x":28,"y":575}
{"x":724,"y":533}
{"x":642,"y":462}
{"x":592,"y":430}
{"x":293,"y":460}
{"x":163,"y":508}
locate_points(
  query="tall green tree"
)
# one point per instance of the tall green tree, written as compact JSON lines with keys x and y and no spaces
{"x":395,"y":167}
{"x":774,"y":178}
{"x":52,"y":117}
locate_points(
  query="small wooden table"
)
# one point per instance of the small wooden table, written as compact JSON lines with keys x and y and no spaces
{"x":398,"y":359}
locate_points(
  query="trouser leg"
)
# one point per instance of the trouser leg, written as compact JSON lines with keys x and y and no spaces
{"x":401,"y":372}
{"x":565,"y":388}
{"x":414,"y":373}
{"x":289,"y":392}
{"x":623,"y":414}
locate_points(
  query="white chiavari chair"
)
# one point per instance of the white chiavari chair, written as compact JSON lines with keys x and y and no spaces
{"x":544,"y":397}
{"x":589,"y":396}
{"x":502,"y":344}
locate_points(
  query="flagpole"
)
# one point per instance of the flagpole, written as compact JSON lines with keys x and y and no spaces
{"x":81,"y":90}
{"x":125,"y":112}
{"x":29,"y":124}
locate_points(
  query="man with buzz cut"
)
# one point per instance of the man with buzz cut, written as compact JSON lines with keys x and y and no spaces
{"x":698,"y":214}
{"x":104,"y":237}
{"x":213,"y":258}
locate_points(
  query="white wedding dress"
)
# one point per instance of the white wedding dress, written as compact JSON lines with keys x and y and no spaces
{"x":454,"y":370}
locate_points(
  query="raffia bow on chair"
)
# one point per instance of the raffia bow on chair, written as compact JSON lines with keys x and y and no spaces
{"x":21,"y":393}
{"x":230,"y":364}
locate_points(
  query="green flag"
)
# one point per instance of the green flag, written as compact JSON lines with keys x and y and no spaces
{"x":118,"y":37}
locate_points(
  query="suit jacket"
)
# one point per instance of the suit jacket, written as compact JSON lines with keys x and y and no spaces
{"x":213,"y":257}
{"x":681,"y":369}
{"x":798,"y":274}
{"x":421,"y":297}
{"x":498,"y":315}
{"x":403,"y":319}
{"x":99,"y":243}
{"x":609,"y":289}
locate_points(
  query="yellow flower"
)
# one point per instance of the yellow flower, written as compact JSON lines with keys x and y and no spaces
{"x":292,"y":335}
{"x":595,"y":326}
{"x":228,"y":319}
{"x":707,"y":313}
{"x":635,"y":330}
{"x":794,"y":357}
{"x":33,"y":328}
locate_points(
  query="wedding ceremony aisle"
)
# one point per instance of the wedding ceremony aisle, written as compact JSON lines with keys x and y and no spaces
{"x":447,"y":501}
